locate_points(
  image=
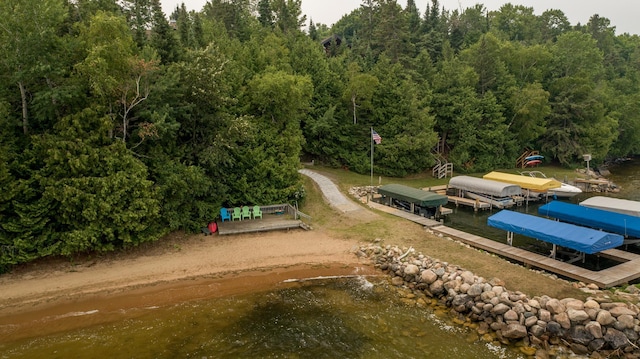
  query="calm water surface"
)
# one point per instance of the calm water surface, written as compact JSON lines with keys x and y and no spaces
{"x":337,"y":318}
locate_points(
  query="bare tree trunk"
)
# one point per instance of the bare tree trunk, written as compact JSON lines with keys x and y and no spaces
{"x":25,"y":113}
{"x":353,"y":101}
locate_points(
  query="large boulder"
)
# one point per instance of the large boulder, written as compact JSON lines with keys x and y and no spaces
{"x":616,"y":339}
{"x":514,"y":331}
{"x":428,"y":276}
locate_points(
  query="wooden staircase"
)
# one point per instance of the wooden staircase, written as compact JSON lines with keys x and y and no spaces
{"x":443,"y":168}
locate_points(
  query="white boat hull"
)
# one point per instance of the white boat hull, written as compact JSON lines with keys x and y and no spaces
{"x":565,"y":191}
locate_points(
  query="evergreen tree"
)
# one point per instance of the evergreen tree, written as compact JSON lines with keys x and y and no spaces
{"x":162,"y":37}
{"x":265,"y":13}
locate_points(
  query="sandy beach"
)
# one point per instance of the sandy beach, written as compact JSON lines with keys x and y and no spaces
{"x":182,"y":268}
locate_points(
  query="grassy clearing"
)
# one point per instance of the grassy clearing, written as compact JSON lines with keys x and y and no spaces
{"x":396,"y":231}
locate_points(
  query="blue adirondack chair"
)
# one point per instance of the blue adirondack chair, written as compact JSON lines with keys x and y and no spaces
{"x":224,"y":214}
{"x":257,"y":212}
{"x":237,"y":214}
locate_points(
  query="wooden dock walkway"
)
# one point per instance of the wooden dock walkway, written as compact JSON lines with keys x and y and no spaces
{"x":622,"y":273}
{"x":404,"y":214}
{"x":459,"y":201}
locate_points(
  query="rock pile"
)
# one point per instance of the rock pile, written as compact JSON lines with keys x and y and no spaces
{"x":364,"y":191}
{"x":592,"y":326}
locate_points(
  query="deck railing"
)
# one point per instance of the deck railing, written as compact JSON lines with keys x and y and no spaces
{"x":284,"y":209}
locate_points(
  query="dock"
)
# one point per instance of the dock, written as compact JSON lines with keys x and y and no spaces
{"x":476,"y":204}
{"x":270,"y":222}
{"x":459,"y":201}
{"x":593,"y":185}
{"x":404,"y":214}
{"x":627,"y":270}
{"x":274,"y":217}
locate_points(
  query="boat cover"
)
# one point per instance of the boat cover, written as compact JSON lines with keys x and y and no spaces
{"x":413,"y":195}
{"x":526,"y":182}
{"x":625,"y":206}
{"x":626,"y":225}
{"x":563,"y":234}
{"x":485,"y":186}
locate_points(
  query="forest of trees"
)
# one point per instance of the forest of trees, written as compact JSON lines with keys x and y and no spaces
{"x":119,"y":124}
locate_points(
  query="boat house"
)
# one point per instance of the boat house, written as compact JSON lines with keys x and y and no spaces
{"x":618,"y":205}
{"x":414,"y":200}
{"x":623,"y":224}
{"x":581,"y":239}
{"x":499,"y":194}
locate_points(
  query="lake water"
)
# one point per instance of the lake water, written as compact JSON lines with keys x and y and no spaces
{"x":333,"y":318}
{"x":330,"y":318}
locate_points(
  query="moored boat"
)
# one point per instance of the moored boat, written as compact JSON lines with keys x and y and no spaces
{"x":564,"y":191}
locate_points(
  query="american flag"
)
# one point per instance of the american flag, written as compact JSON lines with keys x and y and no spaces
{"x":376,"y":137}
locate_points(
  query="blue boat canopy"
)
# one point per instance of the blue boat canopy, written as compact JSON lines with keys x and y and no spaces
{"x":626,"y":225}
{"x":567,"y":235}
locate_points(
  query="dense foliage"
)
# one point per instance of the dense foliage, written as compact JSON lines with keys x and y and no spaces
{"x":118,"y":125}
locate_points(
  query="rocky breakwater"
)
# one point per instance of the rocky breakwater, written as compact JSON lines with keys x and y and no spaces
{"x":596,"y":325}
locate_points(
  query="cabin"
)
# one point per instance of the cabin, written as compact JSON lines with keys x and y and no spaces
{"x":327,"y":42}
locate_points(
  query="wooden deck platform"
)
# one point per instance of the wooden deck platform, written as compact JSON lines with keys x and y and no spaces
{"x":475,"y":204}
{"x":592,"y":185}
{"x":269,"y":222}
{"x":627,"y":270}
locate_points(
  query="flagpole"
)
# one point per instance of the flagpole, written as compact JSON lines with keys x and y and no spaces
{"x":371,"y":181}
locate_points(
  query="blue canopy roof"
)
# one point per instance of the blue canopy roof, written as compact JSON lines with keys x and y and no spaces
{"x":563,"y":234}
{"x":626,"y":225}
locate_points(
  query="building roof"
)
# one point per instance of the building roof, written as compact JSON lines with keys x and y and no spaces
{"x":485,"y":186}
{"x":567,"y":235}
{"x":624,"y":206}
{"x":526,"y":182}
{"x":626,"y":225}
{"x":413,"y":195}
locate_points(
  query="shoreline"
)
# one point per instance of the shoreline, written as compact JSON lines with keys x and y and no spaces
{"x":53,"y":297}
{"x":61,"y":314}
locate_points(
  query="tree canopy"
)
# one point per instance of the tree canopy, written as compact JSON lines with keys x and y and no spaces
{"x":119,"y":123}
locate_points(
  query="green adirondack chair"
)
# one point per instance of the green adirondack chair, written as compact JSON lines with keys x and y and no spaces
{"x":237,"y":214}
{"x":257,"y":212}
{"x":246,"y":212}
